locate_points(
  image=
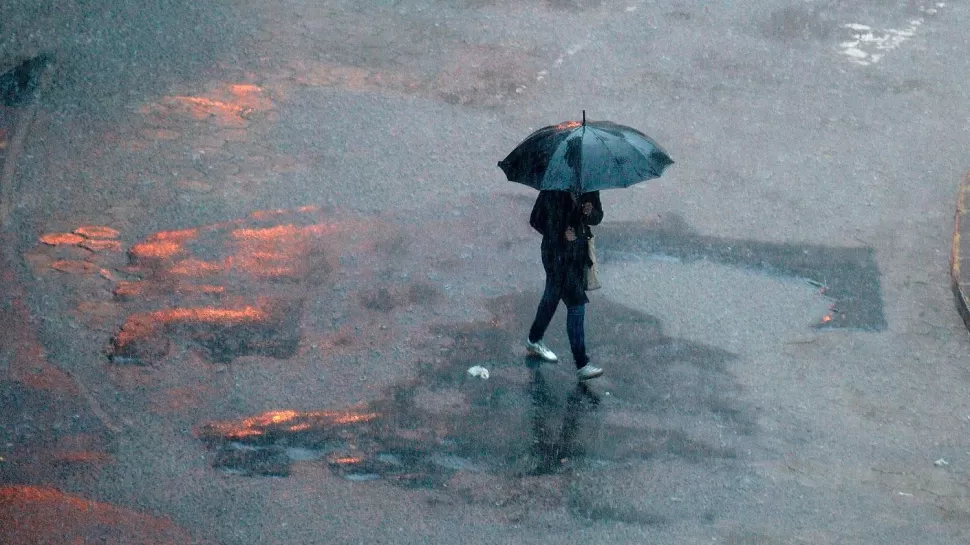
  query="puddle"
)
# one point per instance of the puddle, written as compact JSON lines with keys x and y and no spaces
{"x":667,"y":412}
{"x":270,"y":327}
{"x":230,"y":289}
{"x":211,"y":269}
{"x":527,"y":421}
{"x":849,"y":276}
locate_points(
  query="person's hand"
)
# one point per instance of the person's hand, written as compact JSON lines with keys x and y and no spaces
{"x":570,"y":234}
{"x":587,"y":208}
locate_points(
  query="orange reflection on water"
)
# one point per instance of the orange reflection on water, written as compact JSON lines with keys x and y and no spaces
{"x":265,"y":214}
{"x":136,"y":327}
{"x":42,"y":515}
{"x":196,"y":267}
{"x":157,"y":249}
{"x":181,"y":236}
{"x":229,"y":105}
{"x":201,"y":107}
{"x":279,"y":233}
{"x":210,"y":315}
{"x":58,"y":239}
{"x":346,"y":460}
{"x":208,"y":288}
{"x":244,"y":89}
{"x":44,"y":495}
{"x":93,"y":237}
{"x":98,"y":245}
{"x":285,"y":420}
{"x":274,"y":252}
{"x":82,"y":457}
{"x":164,"y":244}
{"x":826,"y":319}
{"x":96,"y":231}
{"x":142,"y":325}
{"x":275,"y":417}
{"x":127,"y":290}
{"x":73,"y":266}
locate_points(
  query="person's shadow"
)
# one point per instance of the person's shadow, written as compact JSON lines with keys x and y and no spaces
{"x":553,"y":448}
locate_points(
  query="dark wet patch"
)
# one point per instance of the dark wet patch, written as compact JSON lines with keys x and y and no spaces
{"x":18,"y":85}
{"x":32,"y":414}
{"x":618,"y":513}
{"x":395,"y":246}
{"x":251,"y":461}
{"x":387,"y":299}
{"x":49,"y":436}
{"x":798,"y":23}
{"x":380,"y":300}
{"x":270,"y":328}
{"x":678,"y":15}
{"x":527,"y":421}
{"x":278,"y":336}
{"x":229,"y":289}
{"x":18,"y":90}
{"x":424,"y":293}
{"x":850,"y":276}
{"x":574,"y":5}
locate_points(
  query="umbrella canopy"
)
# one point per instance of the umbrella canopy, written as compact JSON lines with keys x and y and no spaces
{"x":581,"y":157}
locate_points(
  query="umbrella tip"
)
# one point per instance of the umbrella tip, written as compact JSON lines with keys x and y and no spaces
{"x":584,"y":117}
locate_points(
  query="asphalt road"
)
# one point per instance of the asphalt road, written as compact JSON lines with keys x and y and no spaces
{"x":310,"y":244}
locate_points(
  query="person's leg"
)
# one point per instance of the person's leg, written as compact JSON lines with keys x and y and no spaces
{"x":575,"y":329}
{"x":545,"y":312}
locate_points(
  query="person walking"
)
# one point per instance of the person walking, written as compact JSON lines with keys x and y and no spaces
{"x":563,"y":219}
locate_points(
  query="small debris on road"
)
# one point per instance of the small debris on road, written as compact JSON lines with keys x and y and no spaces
{"x":478,"y":371}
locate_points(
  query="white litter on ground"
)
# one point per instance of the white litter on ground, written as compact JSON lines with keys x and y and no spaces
{"x":478,"y":371}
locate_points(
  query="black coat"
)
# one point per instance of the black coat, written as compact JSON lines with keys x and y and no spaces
{"x":565,"y":262}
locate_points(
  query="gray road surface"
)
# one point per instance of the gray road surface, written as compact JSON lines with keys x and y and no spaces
{"x":314,"y":245}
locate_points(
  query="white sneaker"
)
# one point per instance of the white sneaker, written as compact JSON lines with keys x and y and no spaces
{"x":540,"y":350}
{"x":588,"y":371}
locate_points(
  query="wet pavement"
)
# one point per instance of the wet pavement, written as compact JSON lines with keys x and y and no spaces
{"x":424,"y":431}
{"x":252,"y":253}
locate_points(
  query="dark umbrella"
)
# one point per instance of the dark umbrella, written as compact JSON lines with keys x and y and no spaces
{"x":581,"y":157}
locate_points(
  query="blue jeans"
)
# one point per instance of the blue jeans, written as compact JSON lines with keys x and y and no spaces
{"x":575,"y":317}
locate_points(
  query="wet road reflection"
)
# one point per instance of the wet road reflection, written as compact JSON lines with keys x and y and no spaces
{"x":552,"y":449}
{"x":232,"y":288}
{"x":668,"y":399}
{"x":41,"y":515}
{"x":227,"y":105}
{"x":268,"y":327}
{"x":850,"y":276}
{"x":353,"y":365}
